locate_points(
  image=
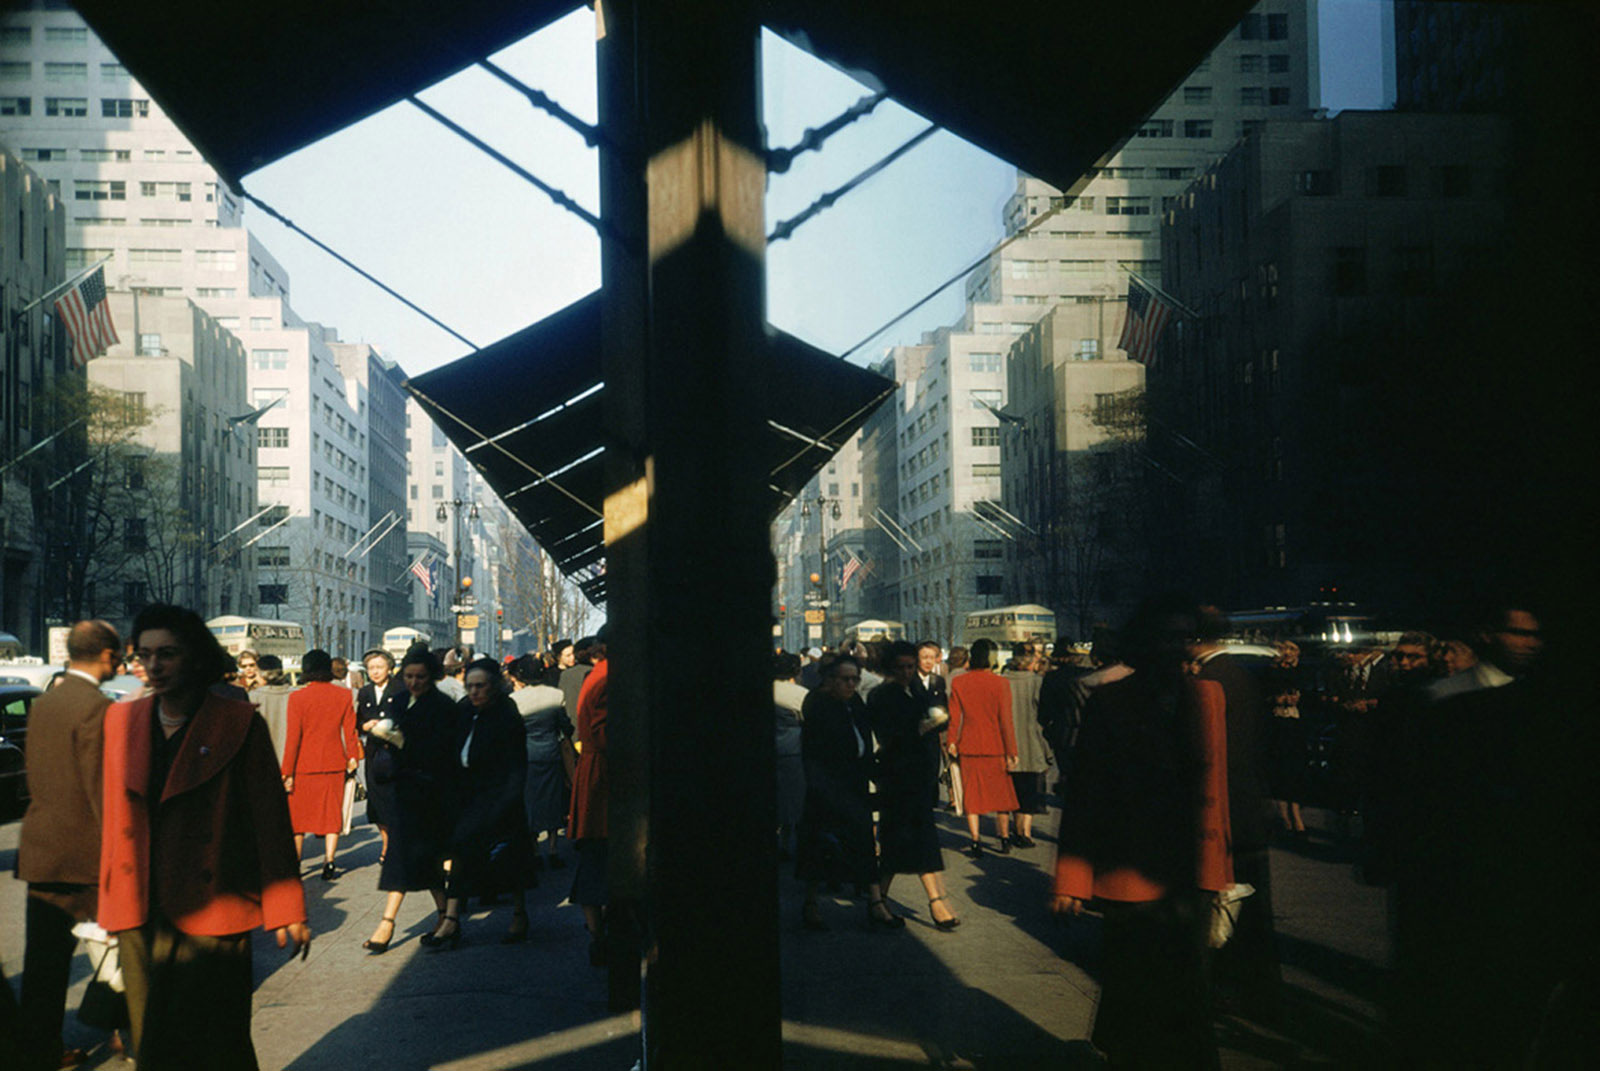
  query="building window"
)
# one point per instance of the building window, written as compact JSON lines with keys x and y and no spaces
{"x":438,"y":491}
{"x":99,"y":190}
{"x":133,"y":410}
{"x":15,"y":71}
{"x":149,"y":345}
{"x":987,"y":549}
{"x":984,"y":362}
{"x":16,"y":35}
{"x":66,"y":72}
{"x":1278,"y":64}
{"x":66,"y":107}
{"x":113,"y":70}
{"x":1414,"y":275}
{"x":44,"y":155}
{"x":1197,"y":128}
{"x":104,"y":156}
{"x":1387,"y":181}
{"x":1088,"y":349}
{"x":134,"y":536}
{"x":269,"y":360}
{"x":217,"y":259}
{"x":261,"y":396}
{"x":171,"y":191}
{"x":273,"y":558}
{"x":1349,"y":270}
{"x":988,"y":585}
{"x":218,"y":292}
{"x":1452,"y":180}
{"x":985,"y":436}
{"x":66,"y":35}
{"x":1127,"y":206}
{"x":1156,"y":128}
{"x":262,"y":323}
{"x":1250,"y":28}
{"x":124,"y":108}
{"x":273,"y":594}
{"x":1197,"y":94}
{"x":155,"y":256}
{"x":1252,"y":95}
{"x":1278,"y":95}
{"x":272,"y":438}
{"x":1250,"y":63}
{"x":1277,"y":27}
{"x":273,"y":473}
{"x":134,"y":596}
{"x":133,"y":472}
{"x":1314,"y":183}
{"x":1174,"y":172}
{"x":16,"y":105}
{"x":986,"y":471}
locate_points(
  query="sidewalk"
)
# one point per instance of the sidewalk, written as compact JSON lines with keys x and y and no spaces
{"x":1004,"y":990}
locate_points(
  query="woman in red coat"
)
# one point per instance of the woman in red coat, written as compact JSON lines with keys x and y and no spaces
{"x":195,"y":850}
{"x":319,"y":749}
{"x":590,"y":786}
{"x":984,"y":741}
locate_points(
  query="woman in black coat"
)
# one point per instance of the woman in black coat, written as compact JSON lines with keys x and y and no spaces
{"x":908,"y":781}
{"x":490,"y":850}
{"x":836,"y":842}
{"x":417,"y":734}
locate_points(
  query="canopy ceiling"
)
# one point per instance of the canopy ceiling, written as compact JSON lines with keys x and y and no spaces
{"x":526,"y":412}
{"x":1049,"y":85}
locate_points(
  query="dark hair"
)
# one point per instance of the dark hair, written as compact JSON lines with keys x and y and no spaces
{"x":316,"y":665}
{"x":419,"y":655}
{"x":785,"y":666}
{"x":88,"y":639}
{"x":899,"y":649}
{"x":830,"y":664}
{"x":1416,"y":639}
{"x":1020,"y":650}
{"x":958,"y":657}
{"x":1147,"y":639}
{"x":982,"y":655}
{"x":490,"y":668}
{"x":269,"y":662}
{"x":1210,"y":623}
{"x":377,"y":652}
{"x":529,"y":669}
{"x":207,"y":661}
{"x":559,"y":646}
{"x":1104,"y":645}
{"x":582,"y":647}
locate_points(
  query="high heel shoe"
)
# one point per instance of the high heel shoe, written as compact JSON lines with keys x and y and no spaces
{"x":378,"y":948}
{"x":893,"y":922}
{"x":519,"y":929}
{"x":944,"y":924}
{"x":449,"y":940}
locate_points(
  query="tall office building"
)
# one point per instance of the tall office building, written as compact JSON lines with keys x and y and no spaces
{"x":36,"y":513}
{"x":439,"y":517}
{"x":143,"y":202}
{"x":1069,"y":248}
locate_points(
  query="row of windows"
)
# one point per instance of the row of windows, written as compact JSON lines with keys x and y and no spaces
{"x":1166,"y":128}
{"x":1277,"y":63}
{"x":16,"y":36}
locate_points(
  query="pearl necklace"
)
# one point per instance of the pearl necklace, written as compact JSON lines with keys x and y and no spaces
{"x":169,"y":722}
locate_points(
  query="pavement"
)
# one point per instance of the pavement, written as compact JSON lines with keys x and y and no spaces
{"x":1011,"y":988}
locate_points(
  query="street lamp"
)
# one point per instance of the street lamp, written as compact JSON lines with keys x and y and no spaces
{"x":823,"y":504}
{"x":463,"y":584}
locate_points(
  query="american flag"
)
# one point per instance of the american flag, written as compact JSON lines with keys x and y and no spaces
{"x":427,"y":572}
{"x":87,"y":314}
{"x":850,"y":568}
{"x":1148,"y":314}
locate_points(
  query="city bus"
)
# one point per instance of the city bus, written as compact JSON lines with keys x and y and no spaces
{"x":873,"y":629}
{"x":397,"y":641}
{"x":1006,"y":625}
{"x":263,"y":635}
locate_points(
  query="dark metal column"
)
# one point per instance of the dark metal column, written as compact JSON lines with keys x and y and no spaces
{"x":689,"y":569}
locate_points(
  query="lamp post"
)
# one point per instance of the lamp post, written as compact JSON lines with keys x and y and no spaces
{"x":463,"y":584}
{"x":823,"y":504}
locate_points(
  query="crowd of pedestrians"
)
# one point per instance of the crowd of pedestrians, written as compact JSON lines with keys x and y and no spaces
{"x":171,"y":824}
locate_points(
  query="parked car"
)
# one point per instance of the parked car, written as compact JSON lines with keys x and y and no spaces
{"x":15,"y":702}
{"x":121,"y":687}
{"x":32,"y":671}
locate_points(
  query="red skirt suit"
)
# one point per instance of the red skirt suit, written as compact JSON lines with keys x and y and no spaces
{"x":981,"y":729}
{"x":318,"y":744}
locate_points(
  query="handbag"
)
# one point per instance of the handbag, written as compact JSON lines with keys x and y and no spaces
{"x":1225,"y":907}
{"x":105,"y":1005}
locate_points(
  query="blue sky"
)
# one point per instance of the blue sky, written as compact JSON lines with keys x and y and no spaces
{"x":488,"y":254}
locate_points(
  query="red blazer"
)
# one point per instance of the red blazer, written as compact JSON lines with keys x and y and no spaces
{"x":321,"y":733}
{"x":590,"y":782}
{"x":227,"y":853}
{"x":980,"y":715}
{"x":1083,"y":878}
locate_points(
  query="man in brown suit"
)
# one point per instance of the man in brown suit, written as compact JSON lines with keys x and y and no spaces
{"x":59,"y":852}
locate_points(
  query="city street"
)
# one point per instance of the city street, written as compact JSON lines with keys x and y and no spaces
{"x":1004,"y":990}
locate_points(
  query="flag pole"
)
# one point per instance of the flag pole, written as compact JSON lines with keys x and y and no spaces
{"x":48,"y":294}
{"x":1162,"y":294}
